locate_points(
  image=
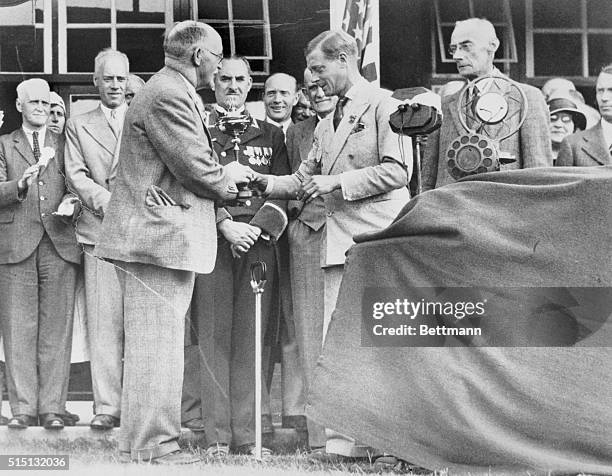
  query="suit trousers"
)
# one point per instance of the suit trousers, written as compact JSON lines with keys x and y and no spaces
{"x":307,"y":288}
{"x":155,"y":302}
{"x":224,"y":305}
{"x":104,"y":332}
{"x":36,"y":308}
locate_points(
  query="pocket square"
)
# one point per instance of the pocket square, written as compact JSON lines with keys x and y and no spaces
{"x":360,"y":126}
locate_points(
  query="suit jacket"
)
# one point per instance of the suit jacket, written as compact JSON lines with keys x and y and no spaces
{"x":91,"y":155}
{"x":531,"y":145}
{"x":165,"y":144}
{"x":262,"y":147}
{"x":584,"y":149}
{"x":373,"y":171}
{"x":300,"y":138}
{"x":23,"y":221}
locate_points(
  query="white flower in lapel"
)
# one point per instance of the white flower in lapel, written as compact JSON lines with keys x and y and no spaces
{"x":46,"y":154}
{"x":352,"y":119}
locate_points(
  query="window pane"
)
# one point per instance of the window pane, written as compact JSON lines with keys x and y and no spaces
{"x":249,"y":40}
{"x":212,"y":9}
{"x":182,"y":10}
{"x":83,"y":46}
{"x":21,"y":44}
{"x":453,"y":10}
{"x":248,"y":9}
{"x":21,"y":49}
{"x":257,"y":65}
{"x":150,"y":11}
{"x":566,"y":47}
{"x":599,"y":52}
{"x":599,"y":14}
{"x":82,"y":11}
{"x":556,"y":14}
{"x":492,"y":10}
{"x":444,"y":68}
{"x":143,"y":48}
{"x":223,"y":30}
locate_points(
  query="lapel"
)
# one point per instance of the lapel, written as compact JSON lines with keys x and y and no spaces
{"x":452,"y":106}
{"x":594,"y":145}
{"x":306,"y":137}
{"x":100,"y":130}
{"x":356,"y":108}
{"x":23,"y":146}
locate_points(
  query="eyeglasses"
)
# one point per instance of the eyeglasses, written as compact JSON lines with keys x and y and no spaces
{"x":467,"y":47}
{"x":216,"y":55}
{"x":563,"y":118}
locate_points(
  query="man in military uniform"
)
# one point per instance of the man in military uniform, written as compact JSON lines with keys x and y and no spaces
{"x":223,"y":306}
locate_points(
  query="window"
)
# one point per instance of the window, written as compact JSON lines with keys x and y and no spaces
{"x":135,"y":27}
{"x":448,"y":12}
{"x":570,"y":38}
{"x":25,"y":38}
{"x":244,"y":26}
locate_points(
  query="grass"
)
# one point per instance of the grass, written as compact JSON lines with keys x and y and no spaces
{"x":101,"y":459}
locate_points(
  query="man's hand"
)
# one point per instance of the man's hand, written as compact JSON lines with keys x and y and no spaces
{"x":239,"y":173}
{"x":260,"y":181}
{"x":26,"y":179}
{"x":241,"y":236}
{"x":318,"y":185}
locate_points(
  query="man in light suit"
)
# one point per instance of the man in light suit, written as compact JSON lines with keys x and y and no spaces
{"x":92,"y":152}
{"x":473,"y":45}
{"x":39,"y":259}
{"x":592,"y":147}
{"x":356,"y":165}
{"x":305,"y":232}
{"x":159,"y":230}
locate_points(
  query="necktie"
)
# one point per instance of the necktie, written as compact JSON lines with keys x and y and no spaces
{"x":339,"y":112}
{"x":36,"y":145}
{"x":114,"y":123}
{"x":610,"y":150}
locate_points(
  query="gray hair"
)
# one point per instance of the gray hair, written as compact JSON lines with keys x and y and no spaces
{"x":24,"y":86}
{"x":107,"y":53}
{"x":183,"y":36}
{"x":482,"y":25}
{"x":239,"y":58}
{"x":332,"y":43}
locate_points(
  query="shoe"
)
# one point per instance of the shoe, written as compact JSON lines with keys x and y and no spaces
{"x":70,"y":419}
{"x":217,"y":451}
{"x":51,"y":421}
{"x":388,"y":462}
{"x":3,"y":420}
{"x":295,"y":421}
{"x":195,"y":424}
{"x":104,"y":422}
{"x":21,"y":421}
{"x":177,"y":457}
{"x":267,"y":427}
{"x":249,"y":449}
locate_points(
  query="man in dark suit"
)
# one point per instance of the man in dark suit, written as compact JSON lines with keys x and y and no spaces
{"x":223,"y":304}
{"x":92,"y":152}
{"x":592,"y":147}
{"x":159,"y":229}
{"x":39,"y":259}
{"x":305,"y":232}
{"x":473,"y":45}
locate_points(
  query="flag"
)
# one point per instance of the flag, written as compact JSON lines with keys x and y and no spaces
{"x":360,"y":20}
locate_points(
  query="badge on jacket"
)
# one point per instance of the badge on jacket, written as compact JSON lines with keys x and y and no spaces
{"x":259,"y":156}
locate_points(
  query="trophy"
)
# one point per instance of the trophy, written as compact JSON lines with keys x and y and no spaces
{"x":235,"y":124}
{"x":490,"y":109}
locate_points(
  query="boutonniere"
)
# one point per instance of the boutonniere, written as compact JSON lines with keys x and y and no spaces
{"x":46,"y":154}
{"x":358,"y":127}
{"x":352,"y":119}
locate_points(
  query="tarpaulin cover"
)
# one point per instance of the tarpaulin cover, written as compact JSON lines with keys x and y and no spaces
{"x":480,"y":409}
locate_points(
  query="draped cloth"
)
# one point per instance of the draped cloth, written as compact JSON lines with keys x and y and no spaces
{"x":480,"y":409}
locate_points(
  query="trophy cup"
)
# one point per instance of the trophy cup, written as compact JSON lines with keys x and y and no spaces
{"x":235,"y":124}
{"x":490,"y":109}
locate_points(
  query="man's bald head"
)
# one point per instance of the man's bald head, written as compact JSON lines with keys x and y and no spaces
{"x":280,"y":95}
{"x":473,"y":46}
{"x":184,"y":36}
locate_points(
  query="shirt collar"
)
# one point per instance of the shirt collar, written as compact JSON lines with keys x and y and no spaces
{"x":353,"y":91}
{"x":120,"y":111}
{"x":41,"y":132}
{"x":607,"y":131}
{"x":283,"y":125}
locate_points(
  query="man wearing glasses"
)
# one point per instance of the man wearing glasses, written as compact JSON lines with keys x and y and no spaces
{"x":159,"y":230}
{"x":473,"y":46}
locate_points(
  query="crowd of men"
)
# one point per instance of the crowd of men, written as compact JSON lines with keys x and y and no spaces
{"x":137,"y":198}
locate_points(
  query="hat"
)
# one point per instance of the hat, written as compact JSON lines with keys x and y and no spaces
{"x":56,"y":100}
{"x":562,"y":104}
